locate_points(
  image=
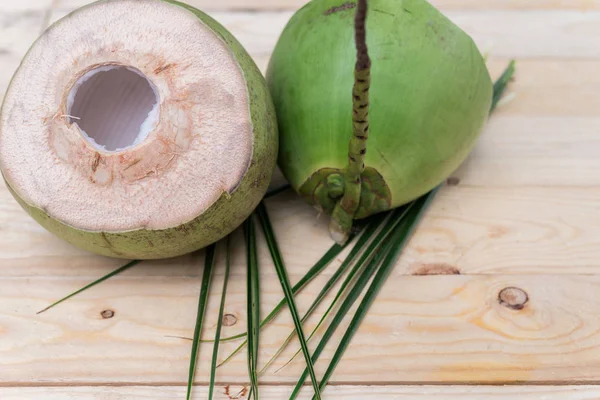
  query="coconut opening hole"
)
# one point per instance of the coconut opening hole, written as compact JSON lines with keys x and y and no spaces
{"x":115,"y":107}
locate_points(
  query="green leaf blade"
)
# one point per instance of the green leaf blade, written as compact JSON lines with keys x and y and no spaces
{"x":364,"y":238}
{"x":91,"y":285}
{"x":379,"y":249}
{"x":319,"y":266}
{"x":253,"y":304}
{"x":397,"y":242}
{"x":213,"y":366}
{"x":202,"y":302}
{"x":502,"y":83}
{"x":287,"y":289}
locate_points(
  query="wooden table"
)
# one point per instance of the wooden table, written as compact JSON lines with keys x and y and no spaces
{"x":522,"y":213}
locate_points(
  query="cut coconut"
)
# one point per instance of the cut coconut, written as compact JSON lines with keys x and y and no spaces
{"x":136,"y":115}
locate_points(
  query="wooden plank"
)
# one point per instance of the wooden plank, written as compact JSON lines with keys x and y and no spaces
{"x":334,"y":393}
{"x":551,"y":88}
{"x":508,"y":231}
{"x":422,"y":329}
{"x":532,"y":34}
{"x":535,"y":151}
{"x":443,"y":4}
{"x":475,"y":230}
{"x":19,"y":27}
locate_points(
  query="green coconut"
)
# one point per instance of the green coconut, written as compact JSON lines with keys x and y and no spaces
{"x":138,"y":129}
{"x":420,"y":99}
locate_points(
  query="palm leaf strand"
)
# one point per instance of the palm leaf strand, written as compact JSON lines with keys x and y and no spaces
{"x":396,"y":244}
{"x":371,"y":228}
{"x":331,"y":254}
{"x":253,"y":304}
{"x":353,"y":295}
{"x":213,"y":366}
{"x":382,"y":243}
{"x":287,"y":290}
{"x":501,"y":84}
{"x":202,"y":301}
{"x":368,"y":254}
{"x":96,"y":282}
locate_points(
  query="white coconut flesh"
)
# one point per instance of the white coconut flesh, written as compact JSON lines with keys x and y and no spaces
{"x":114,"y":123}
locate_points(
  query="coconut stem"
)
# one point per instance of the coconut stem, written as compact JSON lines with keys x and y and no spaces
{"x":343,"y":214}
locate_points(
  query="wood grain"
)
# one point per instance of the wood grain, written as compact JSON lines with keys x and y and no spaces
{"x":491,"y":231}
{"x":332,"y":393}
{"x":422,"y":329}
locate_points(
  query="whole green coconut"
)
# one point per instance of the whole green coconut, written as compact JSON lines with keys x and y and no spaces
{"x":138,"y":129}
{"x":421,"y":97}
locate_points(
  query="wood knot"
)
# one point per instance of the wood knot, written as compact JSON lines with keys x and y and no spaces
{"x":235,"y":396}
{"x":229,"y":320}
{"x":107,"y":314}
{"x":436,"y":269}
{"x":513,"y":298}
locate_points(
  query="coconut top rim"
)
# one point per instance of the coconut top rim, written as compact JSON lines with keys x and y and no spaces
{"x":201,"y":145}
